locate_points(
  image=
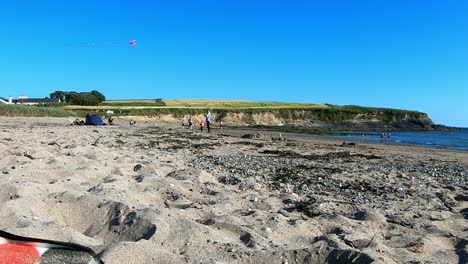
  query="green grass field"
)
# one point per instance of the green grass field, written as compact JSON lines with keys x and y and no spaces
{"x":197,"y":104}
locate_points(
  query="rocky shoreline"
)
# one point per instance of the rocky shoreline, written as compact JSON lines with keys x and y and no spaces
{"x":179,"y":196}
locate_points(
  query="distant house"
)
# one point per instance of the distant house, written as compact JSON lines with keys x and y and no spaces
{"x":6,"y":101}
{"x":29,"y":101}
{"x":36,"y":101}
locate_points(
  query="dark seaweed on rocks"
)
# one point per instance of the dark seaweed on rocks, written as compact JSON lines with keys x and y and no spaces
{"x":328,"y":175}
{"x":329,"y":156}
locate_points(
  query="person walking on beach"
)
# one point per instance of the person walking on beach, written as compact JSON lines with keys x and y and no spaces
{"x":208,"y":120}
{"x":190,"y":123}
{"x":389,"y":136}
{"x":382,"y":135}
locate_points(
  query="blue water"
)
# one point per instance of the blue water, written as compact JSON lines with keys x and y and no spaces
{"x":437,"y":139}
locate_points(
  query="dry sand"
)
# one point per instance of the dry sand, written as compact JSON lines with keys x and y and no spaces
{"x":164,"y":194}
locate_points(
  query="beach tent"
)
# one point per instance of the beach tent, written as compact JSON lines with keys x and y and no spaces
{"x":94,"y":120}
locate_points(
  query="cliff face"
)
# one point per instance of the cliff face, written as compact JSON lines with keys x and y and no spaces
{"x":333,"y":120}
{"x":319,"y":119}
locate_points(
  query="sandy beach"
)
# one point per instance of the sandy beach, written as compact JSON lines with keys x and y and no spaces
{"x":161,"y":193}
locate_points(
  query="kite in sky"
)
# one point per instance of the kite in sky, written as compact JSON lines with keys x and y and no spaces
{"x":94,"y":45}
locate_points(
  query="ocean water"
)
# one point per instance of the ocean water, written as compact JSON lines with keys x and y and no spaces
{"x":436,"y":139}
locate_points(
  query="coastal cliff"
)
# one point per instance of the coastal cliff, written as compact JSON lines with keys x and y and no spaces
{"x":338,"y":118}
{"x":232,"y":113}
{"x":333,"y":119}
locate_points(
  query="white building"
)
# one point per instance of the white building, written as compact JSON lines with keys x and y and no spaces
{"x":28,"y":101}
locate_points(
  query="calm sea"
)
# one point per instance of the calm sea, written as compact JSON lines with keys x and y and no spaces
{"x":437,"y":139}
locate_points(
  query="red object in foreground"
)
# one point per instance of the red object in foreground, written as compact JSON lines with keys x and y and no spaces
{"x":26,"y":250}
{"x":18,"y":254}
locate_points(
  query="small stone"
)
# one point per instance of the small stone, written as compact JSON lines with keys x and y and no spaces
{"x":139,"y":178}
{"x":109,"y":179}
{"x":231,"y":250}
{"x":440,"y":216}
{"x":284,"y":213}
{"x":247,"y":239}
{"x":267,"y":230}
{"x":137,"y":167}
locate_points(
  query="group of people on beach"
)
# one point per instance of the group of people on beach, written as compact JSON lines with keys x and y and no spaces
{"x":203,"y":123}
{"x":382,"y":136}
{"x":206,"y":123}
{"x":86,"y":121}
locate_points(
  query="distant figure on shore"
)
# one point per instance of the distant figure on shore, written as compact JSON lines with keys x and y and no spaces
{"x":110,"y":120}
{"x":221,"y":125}
{"x":382,"y":135}
{"x":208,"y":121}
{"x":362,"y":136}
{"x":201,"y":126}
{"x":132,"y":122}
{"x":190,"y":123}
{"x":389,"y":136}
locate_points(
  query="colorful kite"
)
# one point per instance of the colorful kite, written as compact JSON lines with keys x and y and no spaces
{"x":104,"y":44}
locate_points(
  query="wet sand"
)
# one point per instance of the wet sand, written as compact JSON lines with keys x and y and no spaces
{"x":166,"y":194}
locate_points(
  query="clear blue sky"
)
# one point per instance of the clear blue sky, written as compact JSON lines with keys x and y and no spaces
{"x":399,"y":54}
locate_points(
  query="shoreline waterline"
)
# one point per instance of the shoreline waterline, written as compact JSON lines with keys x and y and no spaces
{"x":452,"y":140}
{"x":456,"y":140}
